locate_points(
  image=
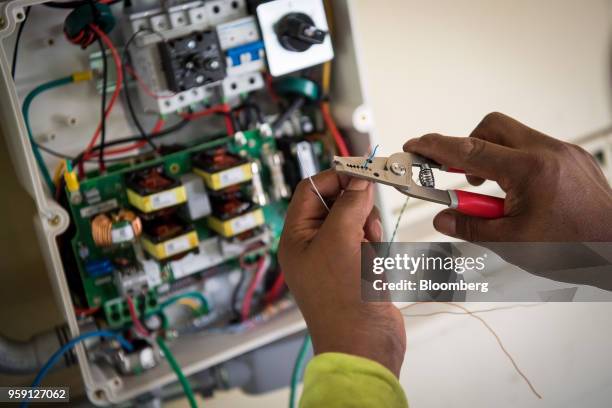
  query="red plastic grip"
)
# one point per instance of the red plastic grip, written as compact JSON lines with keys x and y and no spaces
{"x":479,"y":205}
{"x":453,"y":170}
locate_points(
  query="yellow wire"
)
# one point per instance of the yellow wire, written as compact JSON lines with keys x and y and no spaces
{"x":59,"y":170}
{"x":326,"y":75}
{"x":191,"y":303}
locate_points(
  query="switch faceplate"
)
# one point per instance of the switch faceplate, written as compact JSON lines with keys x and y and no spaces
{"x":281,"y":61}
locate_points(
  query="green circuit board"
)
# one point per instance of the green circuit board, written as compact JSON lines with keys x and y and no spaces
{"x":108,"y":192}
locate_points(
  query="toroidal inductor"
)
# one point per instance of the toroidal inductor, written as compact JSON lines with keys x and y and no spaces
{"x":111,"y":229}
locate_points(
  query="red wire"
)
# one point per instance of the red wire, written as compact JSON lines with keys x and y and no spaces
{"x":277,"y":288}
{"x":86,"y":312}
{"x":140,"y":329}
{"x":248,"y":296}
{"x":144,"y":86}
{"x":331,"y":125}
{"x":114,"y":97}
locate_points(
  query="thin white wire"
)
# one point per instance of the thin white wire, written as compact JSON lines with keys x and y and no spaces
{"x":318,"y":193}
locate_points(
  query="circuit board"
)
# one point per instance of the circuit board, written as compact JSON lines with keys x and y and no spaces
{"x":108,"y":192}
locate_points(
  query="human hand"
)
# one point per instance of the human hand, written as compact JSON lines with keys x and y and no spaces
{"x":555,"y":191}
{"x":320,"y":254}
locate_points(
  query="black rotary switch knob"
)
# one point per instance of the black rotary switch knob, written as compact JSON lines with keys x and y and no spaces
{"x":297,"y":32}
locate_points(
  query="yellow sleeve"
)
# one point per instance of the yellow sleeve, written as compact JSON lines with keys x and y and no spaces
{"x":334,"y":380}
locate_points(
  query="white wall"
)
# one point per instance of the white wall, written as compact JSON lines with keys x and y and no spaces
{"x":440,"y":66}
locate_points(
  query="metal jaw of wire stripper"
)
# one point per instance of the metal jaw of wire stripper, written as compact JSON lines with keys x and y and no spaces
{"x":396,"y":171}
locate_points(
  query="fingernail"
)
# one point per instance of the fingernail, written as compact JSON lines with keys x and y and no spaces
{"x":445,"y":223}
{"x":357,"y":184}
{"x":377,"y":230}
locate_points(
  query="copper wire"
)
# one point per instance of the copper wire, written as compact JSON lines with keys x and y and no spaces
{"x":102,"y":226}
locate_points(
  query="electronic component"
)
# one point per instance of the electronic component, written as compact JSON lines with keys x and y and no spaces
{"x":131,"y":280}
{"x":259,"y":193}
{"x":117,"y":313}
{"x":300,"y":160}
{"x":144,"y":357}
{"x":198,"y":203}
{"x":169,"y":236}
{"x":151,"y":190}
{"x":99,"y":267}
{"x":235,"y":216}
{"x":115,"y":228}
{"x":295,"y":34}
{"x":274,"y":162}
{"x":221,"y":169}
{"x":192,"y":61}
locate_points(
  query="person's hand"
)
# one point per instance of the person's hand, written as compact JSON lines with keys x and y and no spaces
{"x":555,"y":191}
{"x":320,"y":256}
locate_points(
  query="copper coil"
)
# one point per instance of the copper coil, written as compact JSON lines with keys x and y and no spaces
{"x":102,"y":226}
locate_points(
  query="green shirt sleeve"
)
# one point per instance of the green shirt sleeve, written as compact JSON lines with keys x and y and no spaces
{"x":334,"y":380}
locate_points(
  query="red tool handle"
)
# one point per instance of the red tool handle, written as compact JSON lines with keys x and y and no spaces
{"x":478,"y":205}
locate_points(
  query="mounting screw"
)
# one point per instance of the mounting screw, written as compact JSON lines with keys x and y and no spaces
{"x":398,"y":169}
{"x":54,"y":220}
{"x":2,"y":21}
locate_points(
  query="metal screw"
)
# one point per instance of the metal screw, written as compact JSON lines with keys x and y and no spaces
{"x":191,"y":44}
{"x":2,"y":21}
{"x":398,"y":169}
{"x":55,"y":220}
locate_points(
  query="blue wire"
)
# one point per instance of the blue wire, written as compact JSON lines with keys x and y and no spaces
{"x":365,"y":164}
{"x":68,"y":346}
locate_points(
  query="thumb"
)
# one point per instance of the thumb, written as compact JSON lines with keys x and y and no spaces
{"x":474,"y":229}
{"x":350,"y":211}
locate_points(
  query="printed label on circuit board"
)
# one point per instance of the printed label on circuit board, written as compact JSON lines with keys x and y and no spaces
{"x":171,"y":247}
{"x":157,"y":201}
{"x":122,"y":234}
{"x":237,"y":225}
{"x":104,"y":206}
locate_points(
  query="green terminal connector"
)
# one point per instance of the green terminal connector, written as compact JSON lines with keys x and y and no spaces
{"x":117,"y":312}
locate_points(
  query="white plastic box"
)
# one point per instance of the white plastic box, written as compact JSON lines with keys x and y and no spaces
{"x":44,"y":55}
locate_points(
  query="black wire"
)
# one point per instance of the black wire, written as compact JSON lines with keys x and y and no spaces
{"x":104,"y":86}
{"x":295,"y":105}
{"x":17,"y":39}
{"x":126,"y":90}
{"x":165,"y":132}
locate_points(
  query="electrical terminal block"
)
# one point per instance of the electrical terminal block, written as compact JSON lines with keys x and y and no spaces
{"x":176,"y":21}
{"x":221,"y":169}
{"x":168,"y":237}
{"x":239,"y":84}
{"x":151,"y":190}
{"x":192,"y":61}
{"x":117,"y":313}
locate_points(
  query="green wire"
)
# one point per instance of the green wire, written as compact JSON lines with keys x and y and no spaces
{"x":179,"y":373}
{"x":195,"y":295}
{"x":298,"y":367}
{"x":25,"y":109}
